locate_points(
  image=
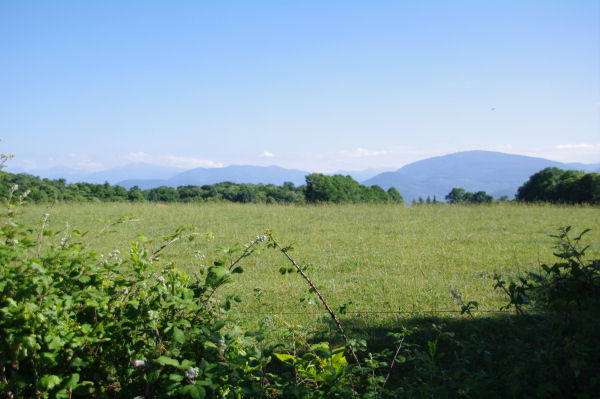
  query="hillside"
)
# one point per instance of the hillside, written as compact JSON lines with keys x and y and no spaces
{"x":494,"y":172}
{"x":234,"y":173}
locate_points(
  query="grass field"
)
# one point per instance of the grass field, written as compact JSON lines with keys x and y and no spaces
{"x":380,"y":258}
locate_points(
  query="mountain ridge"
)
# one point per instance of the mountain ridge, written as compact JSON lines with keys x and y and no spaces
{"x":496,"y":173}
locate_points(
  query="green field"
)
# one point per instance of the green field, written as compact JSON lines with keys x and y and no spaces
{"x":382,"y":258}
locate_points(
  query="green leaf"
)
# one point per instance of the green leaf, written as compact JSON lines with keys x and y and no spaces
{"x":86,"y":328}
{"x":54,"y":343}
{"x":218,"y":325}
{"x":62,"y":394}
{"x":196,"y":392}
{"x":167,"y":361}
{"x":179,"y":335}
{"x":286,"y":358}
{"x":217,"y":275}
{"x":49,"y":381}
{"x":72,"y":383}
{"x":153,"y":375}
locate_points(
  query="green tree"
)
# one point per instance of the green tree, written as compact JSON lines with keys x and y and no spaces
{"x":541,"y":186}
{"x":588,"y":189}
{"x":135,"y":194}
{"x":319,"y":188}
{"x":163,"y":194}
{"x":395,"y":196}
{"x":456,"y":196}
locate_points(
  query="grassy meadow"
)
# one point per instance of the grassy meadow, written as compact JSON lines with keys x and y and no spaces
{"x":381,"y":258}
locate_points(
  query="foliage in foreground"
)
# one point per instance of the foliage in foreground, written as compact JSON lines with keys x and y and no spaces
{"x":79,"y":323}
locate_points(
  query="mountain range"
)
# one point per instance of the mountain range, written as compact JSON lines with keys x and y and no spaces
{"x":494,"y":172}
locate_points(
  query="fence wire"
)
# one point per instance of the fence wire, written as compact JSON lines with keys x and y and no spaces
{"x":368,"y":312}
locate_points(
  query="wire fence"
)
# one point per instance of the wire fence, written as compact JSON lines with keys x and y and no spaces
{"x":375,"y":312}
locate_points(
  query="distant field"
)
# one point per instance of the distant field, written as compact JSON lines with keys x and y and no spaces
{"x":379,"y":257}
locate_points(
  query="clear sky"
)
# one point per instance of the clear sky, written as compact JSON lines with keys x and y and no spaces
{"x":314,"y":85}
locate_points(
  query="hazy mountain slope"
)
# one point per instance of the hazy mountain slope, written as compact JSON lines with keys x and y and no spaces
{"x":112,"y":175}
{"x":132,"y":171}
{"x":494,"y":172}
{"x":360,"y":175}
{"x":239,"y":174}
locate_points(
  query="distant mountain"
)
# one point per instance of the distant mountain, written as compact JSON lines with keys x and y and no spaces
{"x":360,"y":175}
{"x":112,"y":175}
{"x":132,"y":171}
{"x":493,"y":172}
{"x":57,"y":172}
{"x":234,"y":173}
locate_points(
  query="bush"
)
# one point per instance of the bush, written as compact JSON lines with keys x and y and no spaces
{"x":75,"y":323}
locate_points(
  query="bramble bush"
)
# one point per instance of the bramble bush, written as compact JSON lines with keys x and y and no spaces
{"x":77,"y":323}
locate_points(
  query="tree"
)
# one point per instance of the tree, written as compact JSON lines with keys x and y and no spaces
{"x":480,"y":197}
{"x":245,"y":194}
{"x":319,"y":188}
{"x":589,"y":189}
{"x":567,"y":187}
{"x":456,"y":196}
{"x":395,"y":196}
{"x":163,"y":194}
{"x":541,"y":186}
{"x":135,"y":194}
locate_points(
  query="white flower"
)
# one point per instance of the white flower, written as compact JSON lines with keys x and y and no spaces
{"x":192,"y":373}
{"x":161,"y":279}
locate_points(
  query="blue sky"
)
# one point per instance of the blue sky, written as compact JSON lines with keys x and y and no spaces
{"x":313,"y":85}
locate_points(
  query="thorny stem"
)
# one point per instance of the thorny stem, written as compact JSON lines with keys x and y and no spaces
{"x":171,"y":241}
{"x":314,"y":288}
{"x":393,"y":361}
{"x":11,"y":191}
{"x":39,"y":247}
{"x":106,"y":227}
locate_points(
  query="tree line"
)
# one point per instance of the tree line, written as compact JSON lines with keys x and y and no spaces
{"x":548,"y":185}
{"x":318,"y":188}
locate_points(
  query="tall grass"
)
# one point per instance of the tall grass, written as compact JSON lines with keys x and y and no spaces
{"x":379,"y":257}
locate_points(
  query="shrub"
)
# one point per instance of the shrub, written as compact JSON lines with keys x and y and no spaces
{"x":77,"y":323}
